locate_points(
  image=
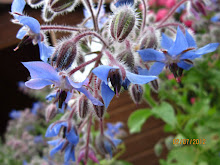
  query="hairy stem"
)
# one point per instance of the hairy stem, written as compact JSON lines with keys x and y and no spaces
{"x":144,"y":15}
{"x":88,"y":138}
{"x":61,"y":28}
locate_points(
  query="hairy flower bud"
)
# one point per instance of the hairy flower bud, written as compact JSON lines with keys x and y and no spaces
{"x":136,"y":91}
{"x":154,"y":85}
{"x":64,"y":55}
{"x":127,"y":57}
{"x":91,"y":155}
{"x":62,"y":5}
{"x":47,"y":14}
{"x":99,"y":110}
{"x":104,"y":145}
{"x":35,"y":3}
{"x":122,"y":23}
{"x":83,"y":106}
{"x":149,"y":40}
{"x":51,"y":112}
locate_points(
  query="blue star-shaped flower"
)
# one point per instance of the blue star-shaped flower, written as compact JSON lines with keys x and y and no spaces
{"x":113,"y":130}
{"x":15,"y":114}
{"x":43,"y":74}
{"x":69,"y":140}
{"x":178,"y":53}
{"x":30,"y":30}
{"x":105,"y":73}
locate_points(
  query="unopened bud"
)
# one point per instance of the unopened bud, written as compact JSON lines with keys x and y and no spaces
{"x":64,"y":55}
{"x":104,"y":145}
{"x":91,"y":155}
{"x":154,"y":85}
{"x":116,"y":80}
{"x":80,"y":60}
{"x":62,"y":5}
{"x":99,"y":110}
{"x":47,"y":14}
{"x":149,"y":40}
{"x":122,"y":23}
{"x":83,"y":105}
{"x":127,"y":57}
{"x":51,"y":112}
{"x":136,"y":91}
{"x":199,"y":7}
{"x":35,"y":3}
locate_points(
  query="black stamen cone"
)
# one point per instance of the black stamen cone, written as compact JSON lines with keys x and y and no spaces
{"x":115,"y":79}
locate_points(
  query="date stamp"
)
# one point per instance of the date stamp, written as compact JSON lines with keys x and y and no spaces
{"x":189,"y":141}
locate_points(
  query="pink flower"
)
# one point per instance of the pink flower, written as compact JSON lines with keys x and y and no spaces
{"x":170,"y":76}
{"x":192,"y":100}
{"x":161,"y":14}
{"x":170,"y":3}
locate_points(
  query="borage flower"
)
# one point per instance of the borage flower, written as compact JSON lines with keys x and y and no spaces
{"x":43,"y":74}
{"x":177,"y":54}
{"x":117,"y":79}
{"x":30,"y":30}
{"x":66,"y":143}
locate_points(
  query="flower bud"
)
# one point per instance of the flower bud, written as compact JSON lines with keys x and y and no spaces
{"x":64,"y":55}
{"x":62,"y":5}
{"x":154,"y":85}
{"x":91,"y":155}
{"x":104,"y":145}
{"x":199,"y":7}
{"x":99,"y":110}
{"x":51,"y":112}
{"x":35,"y":3}
{"x":149,"y":40}
{"x":136,"y":92}
{"x":47,"y":14}
{"x":116,"y":79}
{"x":83,"y":106}
{"x":127,"y":57}
{"x":122,"y":23}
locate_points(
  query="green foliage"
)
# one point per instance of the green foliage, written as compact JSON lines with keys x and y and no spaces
{"x":137,"y":119}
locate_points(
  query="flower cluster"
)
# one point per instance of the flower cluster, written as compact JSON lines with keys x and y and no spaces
{"x":82,"y":87}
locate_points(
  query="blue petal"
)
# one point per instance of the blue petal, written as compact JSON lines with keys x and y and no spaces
{"x":102,"y":72}
{"x":189,"y":55}
{"x":190,"y":40}
{"x":21,"y":33}
{"x":184,"y":65}
{"x":179,"y":45}
{"x":139,"y":79}
{"x":126,"y":83}
{"x":89,"y":96}
{"x":38,"y":83}
{"x":68,"y":97}
{"x":166,"y":42}
{"x":207,"y":49}
{"x":55,"y":130}
{"x":68,"y":152}
{"x":78,"y":84}
{"x":108,"y":147}
{"x":107,"y":94}
{"x":151,"y":55}
{"x":124,"y":2}
{"x":51,"y":96}
{"x":32,"y":23}
{"x":72,"y":137}
{"x":45,"y":51}
{"x":156,"y":68}
{"x":42,"y":70}
{"x":18,"y":6}
{"x":56,"y":148}
{"x":54,"y":142}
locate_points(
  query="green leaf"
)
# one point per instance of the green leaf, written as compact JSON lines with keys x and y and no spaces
{"x":137,"y":119}
{"x":166,"y":112}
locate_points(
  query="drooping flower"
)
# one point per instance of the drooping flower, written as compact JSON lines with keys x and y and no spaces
{"x":66,"y":143}
{"x":91,"y":155}
{"x":177,"y":55}
{"x":30,"y":30}
{"x":114,"y":75}
{"x":43,"y":74}
{"x":113,"y":130}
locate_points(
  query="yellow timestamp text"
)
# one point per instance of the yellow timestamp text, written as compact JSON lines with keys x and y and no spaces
{"x":189,"y":141}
